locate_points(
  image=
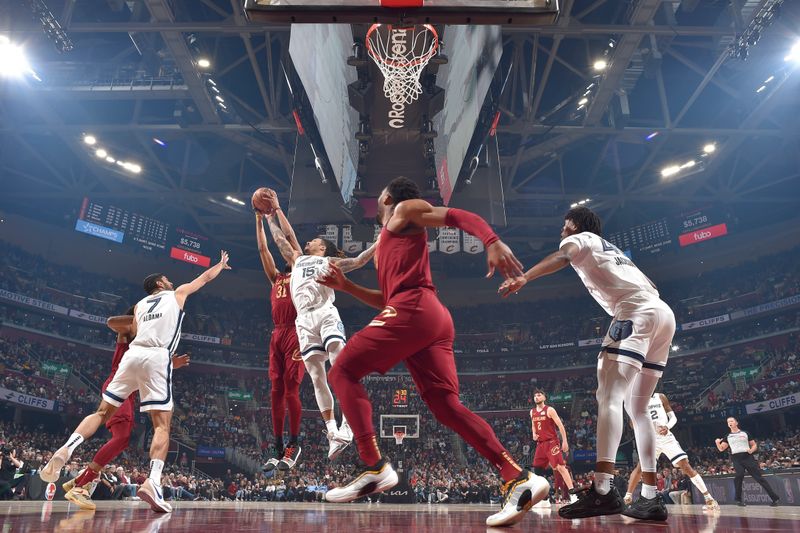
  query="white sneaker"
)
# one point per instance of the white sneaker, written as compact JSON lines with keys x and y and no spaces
{"x":372,"y":479}
{"x":337,"y":442}
{"x":573,"y":498}
{"x":711,"y":505}
{"x":519,"y":495}
{"x":544,"y":504}
{"x":52,"y":469}
{"x":151,"y":493}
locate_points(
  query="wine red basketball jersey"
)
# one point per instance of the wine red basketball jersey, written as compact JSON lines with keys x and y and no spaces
{"x":283,"y":311}
{"x":544,"y":426}
{"x":403,"y":263}
{"x":119,"y":351}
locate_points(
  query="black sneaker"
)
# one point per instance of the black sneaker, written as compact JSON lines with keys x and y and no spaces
{"x":273,"y":461}
{"x":741,"y":503}
{"x":775,"y":502}
{"x":290,"y":457}
{"x":647,"y":509}
{"x":592,"y":503}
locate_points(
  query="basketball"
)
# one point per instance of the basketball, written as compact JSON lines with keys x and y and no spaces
{"x":260,"y":201}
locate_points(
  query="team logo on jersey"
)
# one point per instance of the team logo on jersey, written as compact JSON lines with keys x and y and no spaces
{"x":555,"y":450}
{"x":388,"y":312}
{"x":50,"y":492}
{"x":340,"y":327}
{"x":296,"y":355}
{"x":620,"y":329}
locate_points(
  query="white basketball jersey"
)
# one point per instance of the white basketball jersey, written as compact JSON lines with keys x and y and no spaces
{"x":608,"y":274}
{"x":307,"y":294}
{"x":158,"y":321}
{"x":655,"y":408}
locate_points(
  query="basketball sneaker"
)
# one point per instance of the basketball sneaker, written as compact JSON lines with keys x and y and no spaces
{"x":273,"y":461}
{"x":337,"y":442}
{"x":80,"y":497}
{"x":69,"y":485}
{"x":290,"y":457}
{"x":52,"y":470}
{"x":647,"y":509}
{"x":519,"y":495}
{"x":592,"y":503}
{"x":151,"y":493}
{"x":711,"y":505}
{"x":376,"y":478}
{"x":544,"y":504}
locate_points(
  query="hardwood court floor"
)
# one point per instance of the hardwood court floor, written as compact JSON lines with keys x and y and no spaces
{"x":231,"y":517}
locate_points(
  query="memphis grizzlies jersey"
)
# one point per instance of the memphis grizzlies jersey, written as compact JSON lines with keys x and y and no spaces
{"x":658,"y":415}
{"x":158,"y":321}
{"x":608,"y":274}
{"x":307,"y":294}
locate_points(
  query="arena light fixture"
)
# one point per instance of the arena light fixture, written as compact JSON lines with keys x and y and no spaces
{"x":709,"y":148}
{"x":220,"y":99}
{"x":90,"y":140}
{"x":13,"y":63}
{"x":583,"y":101}
{"x":761,"y":89}
{"x":675,"y":347}
{"x":111,"y":159}
{"x":203,"y":63}
{"x":234,"y":200}
{"x":651,"y":136}
{"x":671,"y":170}
{"x":688,"y":164}
{"x":101,"y":153}
{"x":159,"y":141}
{"x":600,"y":65}
{"x":794,"y":53}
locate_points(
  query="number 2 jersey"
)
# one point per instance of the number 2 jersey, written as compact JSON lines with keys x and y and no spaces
{"x":608,"y":274}
{"x":283,"y":311}
{"x":543,"y":425}
{"x":158,"y":322}
{"x":658,"y":415}
{"x":307,"y":294}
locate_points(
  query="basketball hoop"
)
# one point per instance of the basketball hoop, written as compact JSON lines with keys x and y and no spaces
{"x":401,"y":52}
{"x":399,"y":436}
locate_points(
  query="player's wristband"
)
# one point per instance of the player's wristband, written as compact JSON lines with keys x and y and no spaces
{"x":472,"y":224}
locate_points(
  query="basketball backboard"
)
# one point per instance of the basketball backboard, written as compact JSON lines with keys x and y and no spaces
{"x":530,"y":12}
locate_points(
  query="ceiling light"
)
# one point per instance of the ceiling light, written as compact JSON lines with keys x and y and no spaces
{"x":710,"y":148}
{"x":688,"y":164}
{"x":133,"y":167}
{"x":159,"y":141}
{"x":100,"y":153}
{"x":220,"y":99}
{"x":583,"y":101}
{"x":670,"y":171}
{"x":215,"y":89}
{"x":794,"y":53}
{"x":111,"y":159}
{"x":223,"y":106}
{"x":212,"y":82}
{"x":122,"y":163}
{"x":13,"y":63}
{"x":203,"y":62}
{"x":761,"y":88}
{"x":573,"y":205}
{"x":582,"y":202}
{"x":89,"y":139}
{"x":588,"y":200}
{"x":675,"y":347}
{"x":651,"y":136}
{"x":769,"y":79}
{"x":600,"y":64}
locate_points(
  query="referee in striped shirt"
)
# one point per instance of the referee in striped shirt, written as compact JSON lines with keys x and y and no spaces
{"x":742,"y":448}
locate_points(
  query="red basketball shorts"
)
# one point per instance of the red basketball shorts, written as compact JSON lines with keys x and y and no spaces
{"x":285,"y":362}
{"x":548,"y":453}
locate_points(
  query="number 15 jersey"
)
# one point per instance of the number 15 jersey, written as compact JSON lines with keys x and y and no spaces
{"x":307,"y":294}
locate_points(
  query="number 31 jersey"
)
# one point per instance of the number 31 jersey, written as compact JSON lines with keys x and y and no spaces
{"x":307,"y":294}
{"x":283,"y":311}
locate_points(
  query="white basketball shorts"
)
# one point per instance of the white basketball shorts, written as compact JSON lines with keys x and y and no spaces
{"x":641,"y":334}
{"x":318,"y":329}
{"x":148,"y":370}
{"x":669,"y":446}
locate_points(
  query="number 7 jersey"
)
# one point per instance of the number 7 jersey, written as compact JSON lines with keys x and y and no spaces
{"x":158,"y":321}
{"x":307,"y":294}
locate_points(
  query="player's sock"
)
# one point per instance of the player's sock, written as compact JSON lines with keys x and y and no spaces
{"x":648,"y":491}
{"x":73,"y":442}
{"x":701,"y":486}
{"x":331,"y":426}
{"x":87,"y":476}
{"x":602,"y":482}
{"x":368,"y":449}
{"x":156,"y":466}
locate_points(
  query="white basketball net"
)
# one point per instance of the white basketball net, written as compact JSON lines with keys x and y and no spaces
{"x":399,"y":436}
{"x":401,"y":53}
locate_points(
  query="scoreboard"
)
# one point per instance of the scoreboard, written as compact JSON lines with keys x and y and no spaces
{"x":400,"y":399}
{"x":651,"y":237}
{"x":119,"y":225}
{"x":701,"y":225}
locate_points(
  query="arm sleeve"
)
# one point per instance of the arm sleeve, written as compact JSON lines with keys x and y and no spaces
{"x":472,"y":224}
{"x":672,"y":419}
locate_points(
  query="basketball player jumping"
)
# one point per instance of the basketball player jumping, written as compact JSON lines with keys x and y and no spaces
{"x":146,"y":367}
{"x":120,"y":425}
{"x":285,"y":364}
{"x":664,"y":419}
{"x":414,"y":327}
{"x":632,"y":359}
{"x":544,"y":421}
{"x":320,"y":331}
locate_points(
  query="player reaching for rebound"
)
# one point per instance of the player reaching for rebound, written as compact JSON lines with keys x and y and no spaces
{"x":320,"y":331}
{"x":146,"y":367}
{"x":285,"y":364}
{"x":414,"y":327}
{"x":120,"y":425}
{"x":664,"y":419}
{"x":632,"y":359}
{"x":544,"y":421}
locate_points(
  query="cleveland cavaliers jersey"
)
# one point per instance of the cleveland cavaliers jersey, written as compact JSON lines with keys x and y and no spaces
{"x":543,"y":425}
{"x":608,"y":274}
{"x":658,"y":415}
{"x":307,"y":294}
{"x":158,"y":321}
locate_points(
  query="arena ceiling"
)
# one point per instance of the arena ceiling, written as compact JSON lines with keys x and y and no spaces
{"x":671,"y":87}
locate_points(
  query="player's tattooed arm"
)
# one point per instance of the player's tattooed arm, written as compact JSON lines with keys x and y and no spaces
{"x":286,"y":228}
{"x":347,"y":264}
{"x":286,"y":249}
